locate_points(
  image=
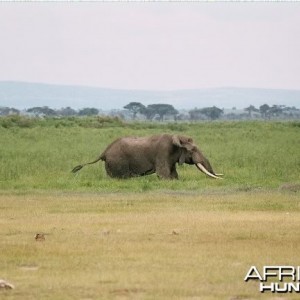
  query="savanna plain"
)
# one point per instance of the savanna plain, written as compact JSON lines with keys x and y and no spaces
{"x":145,"y":238}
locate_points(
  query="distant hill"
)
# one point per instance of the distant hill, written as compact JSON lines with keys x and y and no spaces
{"x":22,"y":95}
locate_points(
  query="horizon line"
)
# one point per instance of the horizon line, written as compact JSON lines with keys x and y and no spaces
{"x":145,"y":89}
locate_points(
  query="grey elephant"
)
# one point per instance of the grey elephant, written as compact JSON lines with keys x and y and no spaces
{"x":138,"y":156}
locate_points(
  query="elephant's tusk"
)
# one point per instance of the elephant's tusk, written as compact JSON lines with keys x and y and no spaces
{"x":219,"y":174}
{"x":202,"y":168}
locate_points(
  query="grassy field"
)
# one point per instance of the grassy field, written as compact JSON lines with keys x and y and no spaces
{"x":146,"y":238}
{"x":251,"y":155}
{"x":145,"y":246}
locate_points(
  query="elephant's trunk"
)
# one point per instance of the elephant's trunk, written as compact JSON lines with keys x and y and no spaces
{"x":205,"y":171}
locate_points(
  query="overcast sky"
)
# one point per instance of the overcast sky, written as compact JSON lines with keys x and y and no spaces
{"x":160,"y":46}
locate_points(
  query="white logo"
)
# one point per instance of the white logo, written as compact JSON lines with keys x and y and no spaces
{"x":271,"y":278}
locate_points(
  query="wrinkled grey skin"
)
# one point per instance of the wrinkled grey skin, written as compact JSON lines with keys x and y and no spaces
{"x":138,"y":156}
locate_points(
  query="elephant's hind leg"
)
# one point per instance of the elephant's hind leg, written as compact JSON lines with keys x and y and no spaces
{"x":116,"y":170}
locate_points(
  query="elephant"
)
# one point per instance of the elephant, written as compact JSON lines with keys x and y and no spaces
{"x":138,"y":156}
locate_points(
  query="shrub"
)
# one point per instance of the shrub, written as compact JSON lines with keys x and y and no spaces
{"x":17,"y":121}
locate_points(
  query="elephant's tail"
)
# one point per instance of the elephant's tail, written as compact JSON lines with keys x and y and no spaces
{"x":79,"y":167}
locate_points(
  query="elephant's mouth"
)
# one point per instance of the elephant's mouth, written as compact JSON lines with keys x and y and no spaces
{"x":205,"y":171}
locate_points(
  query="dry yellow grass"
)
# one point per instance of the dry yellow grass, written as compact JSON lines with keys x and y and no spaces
{"x":145,"y":246}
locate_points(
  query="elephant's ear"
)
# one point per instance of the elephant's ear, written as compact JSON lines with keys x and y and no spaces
{"x":183,"y":142}
{"x":176,"y":141}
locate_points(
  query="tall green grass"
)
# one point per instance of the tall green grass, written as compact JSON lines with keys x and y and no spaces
{"x":252,"y":155}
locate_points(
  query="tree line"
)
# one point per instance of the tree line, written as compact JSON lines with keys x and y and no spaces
{"x":162,"y":112}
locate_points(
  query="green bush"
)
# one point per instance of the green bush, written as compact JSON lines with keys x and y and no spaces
{"x":17,"y":121}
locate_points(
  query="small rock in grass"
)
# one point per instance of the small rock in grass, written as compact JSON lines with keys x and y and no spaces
{"x":105,"y":232}
{"x":6,"y":285}
{"x":39,"y":237}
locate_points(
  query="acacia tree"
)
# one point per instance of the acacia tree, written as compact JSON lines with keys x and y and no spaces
{"x":196,"y":114}
{"x":212,"y":112}
{"x":161,"y":110}
{"x":45,"y":110}
{"x":276,"y":110}
{"x":67,"y":111}
{"x":264,"y":110}
{"x":250,"y":110}
{"x":88,"y":111}
{"x":4,"y":111}
{"x":135,"y":108}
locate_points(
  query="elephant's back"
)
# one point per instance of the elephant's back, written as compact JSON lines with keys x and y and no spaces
{"x":116,"y":148}
{"x":130,"y":145}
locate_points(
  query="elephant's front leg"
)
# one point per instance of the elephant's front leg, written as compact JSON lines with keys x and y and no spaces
{"x":165,"y":170}
{"x":174,"y":174}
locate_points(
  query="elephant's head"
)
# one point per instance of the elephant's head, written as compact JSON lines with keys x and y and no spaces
{"x":190,"y":154}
